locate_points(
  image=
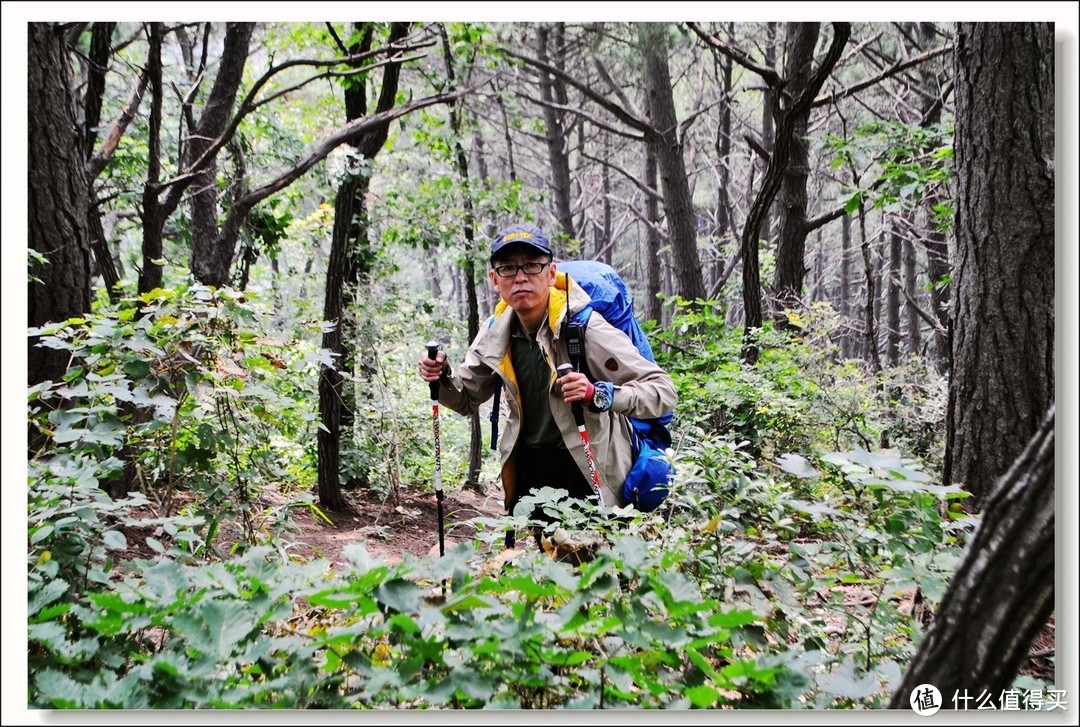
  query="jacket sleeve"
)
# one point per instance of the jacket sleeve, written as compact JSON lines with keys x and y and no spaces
{"x":642,"y":389}
{"x":470,"y":384}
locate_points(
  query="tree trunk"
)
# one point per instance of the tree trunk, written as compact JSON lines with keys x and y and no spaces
{"x":911,"y":287}
{"x":791,"y":241}
{"x":553,"y":91}
{"x":770,"y":185}
{"x":98,"y":66}
{"x":468,"y":230}
{"x":331,"y":379}
{"x":153,"y":216}
{"x":210,"y":261}
{"x":1002,"y":593}
{"x":937,"y":250}
{"x":870,"y":338}
{"x":1003,"y":287}
{"x":892,"y":297}
{"x":768,"y":124}
{"x":58,"y":193}
{"x":653,"y":311}
{"x":607,"y":245}
{"x":725,"y":225}
{"x":846,"y":306}
{"x":668,"y":148}
{"x":348,"y":267}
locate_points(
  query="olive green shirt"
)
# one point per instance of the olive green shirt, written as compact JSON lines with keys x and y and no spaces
{"x":533,"y":373}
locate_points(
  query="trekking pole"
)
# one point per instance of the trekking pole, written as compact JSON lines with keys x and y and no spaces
{"x":579,"y":419}
{"x":433,"y":352}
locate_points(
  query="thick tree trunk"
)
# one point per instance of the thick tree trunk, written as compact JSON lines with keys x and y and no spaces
{"x":348,"y":268}
{"x":553,"y":91}
{"x":1002,"y":593}
{"x":1003,"y":285}
{"x":770,"y":185}
{"x":668,"y":148}
{"x":791,"y":242}
{"x":331,"y":380}
{"x":58,"y":201}
{"x":211,"y":261}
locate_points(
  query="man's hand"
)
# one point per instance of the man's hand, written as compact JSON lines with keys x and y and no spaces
{"x":574,"y":386}
{"x":431,"y":369}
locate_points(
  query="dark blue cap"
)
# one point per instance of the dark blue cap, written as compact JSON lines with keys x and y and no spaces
{"x":530,"y":235}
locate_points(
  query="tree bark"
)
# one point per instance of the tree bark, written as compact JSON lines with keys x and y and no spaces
{"x":667,"y":144}
{"x":892,"y":297}
{"x":770,"y":186}
{"x":653,"y":311}
{"x":846,"y":306}
{"x":553,"y":92}
{"x":937,"y":250}
{"x":791,"y":241}
{"x":1003,"y":287}
{"x":1002,"y":593}
{"x":58,"y":192}
{"x":911,"y":308}
{"x":153,"y":216}
{"x":468,"y":228}
{"x":725,"y":225}
{"x":210,"y":262}
{"x":349,"y":264}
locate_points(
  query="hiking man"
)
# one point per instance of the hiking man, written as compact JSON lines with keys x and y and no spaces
{"x":522,"y":347}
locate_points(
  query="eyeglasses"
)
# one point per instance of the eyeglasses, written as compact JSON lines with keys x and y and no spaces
{"x":511,"y":271}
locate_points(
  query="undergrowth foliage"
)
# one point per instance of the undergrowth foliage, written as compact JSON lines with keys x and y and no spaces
{"x":792,"y":566}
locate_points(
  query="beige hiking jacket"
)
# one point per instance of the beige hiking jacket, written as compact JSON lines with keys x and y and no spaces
{"x":642,"y":389}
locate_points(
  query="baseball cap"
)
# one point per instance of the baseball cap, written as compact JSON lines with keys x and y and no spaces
{"x":530,"y":235}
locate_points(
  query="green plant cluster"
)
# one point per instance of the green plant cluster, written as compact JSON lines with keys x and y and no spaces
{"x":792,"y":566}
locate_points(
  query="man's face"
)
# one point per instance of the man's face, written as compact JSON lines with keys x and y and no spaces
{"x":526,"y":294}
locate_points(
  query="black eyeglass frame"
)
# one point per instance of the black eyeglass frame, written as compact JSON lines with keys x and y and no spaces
{"x":511,"y":271}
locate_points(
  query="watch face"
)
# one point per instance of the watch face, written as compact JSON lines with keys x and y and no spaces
{"x":601,"y":398}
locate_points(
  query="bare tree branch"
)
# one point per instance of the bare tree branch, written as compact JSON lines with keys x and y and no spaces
{"x":646,"y":189}
{"x":770,"y":76}
{"x":898,"y":67}
{"x":624,"y":115}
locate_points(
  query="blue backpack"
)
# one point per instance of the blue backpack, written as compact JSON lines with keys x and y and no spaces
{"x":650,"y":476}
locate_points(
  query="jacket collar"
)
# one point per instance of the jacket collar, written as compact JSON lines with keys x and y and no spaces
{"x":566,"y":296}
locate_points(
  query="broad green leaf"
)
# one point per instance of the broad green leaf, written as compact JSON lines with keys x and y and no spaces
{"x":796,"y":465}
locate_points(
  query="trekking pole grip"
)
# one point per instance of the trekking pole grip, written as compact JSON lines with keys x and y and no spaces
{"x":576,"y":407}
{"x":433,"y":352}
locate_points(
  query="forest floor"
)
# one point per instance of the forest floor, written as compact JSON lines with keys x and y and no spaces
{"x":390,"y":528}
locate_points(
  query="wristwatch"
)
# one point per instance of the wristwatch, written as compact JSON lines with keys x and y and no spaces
{"x":603,"y":395}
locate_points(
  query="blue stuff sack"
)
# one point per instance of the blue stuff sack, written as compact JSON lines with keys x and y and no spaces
{"x":650,"y":477}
